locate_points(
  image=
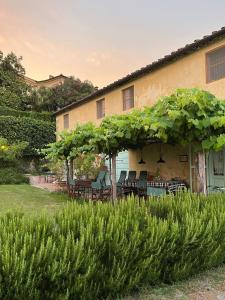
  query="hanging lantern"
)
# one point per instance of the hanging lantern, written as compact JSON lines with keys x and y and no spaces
{"x":141,"y":161}
{"x":161,"y":160}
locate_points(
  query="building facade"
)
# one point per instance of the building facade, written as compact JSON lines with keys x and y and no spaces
{"x":197,"y":65}
{"x":51,"y":82}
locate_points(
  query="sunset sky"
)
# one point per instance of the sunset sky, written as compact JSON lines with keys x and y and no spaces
{"x":101,"y":40}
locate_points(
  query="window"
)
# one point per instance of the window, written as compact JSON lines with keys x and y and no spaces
{"x":66,"y":121}
{"x":215,"y":64}
{"x":100,"y":104}
{"x":218,"y":163}
{"x":128,"y":98}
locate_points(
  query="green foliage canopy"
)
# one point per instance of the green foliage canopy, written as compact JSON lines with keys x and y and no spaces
{"x":37,"y":133}
{"x":50,"y":99}
{"x":71,"y":144}
{"x":13,"y":89}
{"x":189,"y":116}
{"x":10,"y":152}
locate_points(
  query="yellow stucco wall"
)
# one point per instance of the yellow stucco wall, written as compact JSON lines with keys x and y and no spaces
{"x":172,"y":167}
{"x":187,"y":72}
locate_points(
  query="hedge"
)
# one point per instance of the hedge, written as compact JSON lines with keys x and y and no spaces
{"x":12,"y":175}
{"x":7,"y":111}
{"x":104,"y":251}
{"x":37,"y":133}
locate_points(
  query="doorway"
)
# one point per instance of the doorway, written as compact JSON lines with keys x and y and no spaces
{"x":216,"y":169}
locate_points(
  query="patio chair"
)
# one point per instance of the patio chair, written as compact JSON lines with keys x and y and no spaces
{"x":122,"y":178}
{"x":141,"y":184}
{"x":131,"y":178}
{"x":121,"y":181}
{"x":143,"y":175}
{"x":99,"y":185}
{"x":71,"y":186}
{"x":129,"y":186}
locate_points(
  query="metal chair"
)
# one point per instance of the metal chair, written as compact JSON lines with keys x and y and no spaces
{"x":143,"y":175}
{"x":98,"y":185}
{"x":131,"y":178}
{"x":141,"y":184}
{"x":121,"y":181}
{"x":71,"y":186}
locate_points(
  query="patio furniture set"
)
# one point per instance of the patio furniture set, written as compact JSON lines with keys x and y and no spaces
{"x":127,"y":184}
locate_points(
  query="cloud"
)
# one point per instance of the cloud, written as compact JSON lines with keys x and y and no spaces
{"x":97,"y":59}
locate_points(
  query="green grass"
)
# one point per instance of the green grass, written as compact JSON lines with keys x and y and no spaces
{"x":30,"y":200}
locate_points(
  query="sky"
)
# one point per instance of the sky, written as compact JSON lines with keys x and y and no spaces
{"x":101,"y":40}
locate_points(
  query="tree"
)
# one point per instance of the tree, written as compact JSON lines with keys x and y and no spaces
{"x":71,"y":145}
{"x":13,"y":89}
{"x":11,"y":152}
{"x":45,"y":99}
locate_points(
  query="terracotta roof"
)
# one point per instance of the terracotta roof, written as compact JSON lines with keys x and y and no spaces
{"x":173,"y":56}
{"x":45,"y":80}
{"x":52,"y":78}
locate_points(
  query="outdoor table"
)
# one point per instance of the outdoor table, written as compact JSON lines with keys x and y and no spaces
{"x":220,"y":189}
{"x":49,"y":177}
{"x":162,"y":187}
{"x":83,"y":188}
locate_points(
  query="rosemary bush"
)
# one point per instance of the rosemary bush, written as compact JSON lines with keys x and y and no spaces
{"x":103,"y":251}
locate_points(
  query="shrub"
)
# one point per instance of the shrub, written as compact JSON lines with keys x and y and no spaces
{"x":88,"y":165}
{"x":12,"y":175}
{"x":7,"y":111}
{"x":103,"y":251}
{"x":37,"y":133}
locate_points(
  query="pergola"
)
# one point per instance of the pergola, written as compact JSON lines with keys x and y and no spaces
{"x":187,"y":117}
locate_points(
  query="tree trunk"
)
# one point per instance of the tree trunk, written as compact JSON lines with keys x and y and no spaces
{"x":71,"y":169}
{"x":202,"y":172}
{"x":113,"y":178}
{"x":67,"y":171}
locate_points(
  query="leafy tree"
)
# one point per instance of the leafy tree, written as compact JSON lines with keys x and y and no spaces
{"x":50,"y":99}
{"x":13,"y":89}
{"x":188,"y":116}
{"x":10,"y":152}
{"x":36,"y":133}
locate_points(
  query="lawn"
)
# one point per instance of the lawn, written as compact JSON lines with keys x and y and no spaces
{"x":29,"y":199}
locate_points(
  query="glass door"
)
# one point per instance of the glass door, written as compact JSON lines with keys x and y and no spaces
{"x":216,"y":169}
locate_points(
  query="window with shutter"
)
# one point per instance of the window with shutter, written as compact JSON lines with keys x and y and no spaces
{"x":215,"y":63}
{"x":128,"y":98}
{"x":66,"y":121}
{"x":100,"y":104}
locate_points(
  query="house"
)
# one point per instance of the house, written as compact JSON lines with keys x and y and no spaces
{"x":200,"y":64}
{"x":51,"y":82}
